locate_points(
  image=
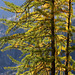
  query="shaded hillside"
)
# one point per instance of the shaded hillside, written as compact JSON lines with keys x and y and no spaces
{"x":4,"y":60}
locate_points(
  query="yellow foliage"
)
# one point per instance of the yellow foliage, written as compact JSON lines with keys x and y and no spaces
{"x":46,"y":5}
{"x":63,"y":48}
{"x":31,"y":45}
{"x":16,"y":45}
{"x":40,"y":45}
{"x":30,"y":30}
{"x":40,"y":18}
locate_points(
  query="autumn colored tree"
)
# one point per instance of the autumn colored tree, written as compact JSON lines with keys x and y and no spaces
{"x":41,"y":44}
{"x":68,"y":36}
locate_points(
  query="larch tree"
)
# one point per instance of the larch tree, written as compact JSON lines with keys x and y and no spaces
{"x":41,"y":43}
{"x":68,"y":37}
{"x":69,"y":61}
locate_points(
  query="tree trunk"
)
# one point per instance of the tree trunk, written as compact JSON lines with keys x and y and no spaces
{"x":68,"y":36}
{"x":53,"y":39}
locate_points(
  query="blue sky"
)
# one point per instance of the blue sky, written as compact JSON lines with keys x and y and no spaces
{"x":9,"y":14}
{"x":17,"y":2}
